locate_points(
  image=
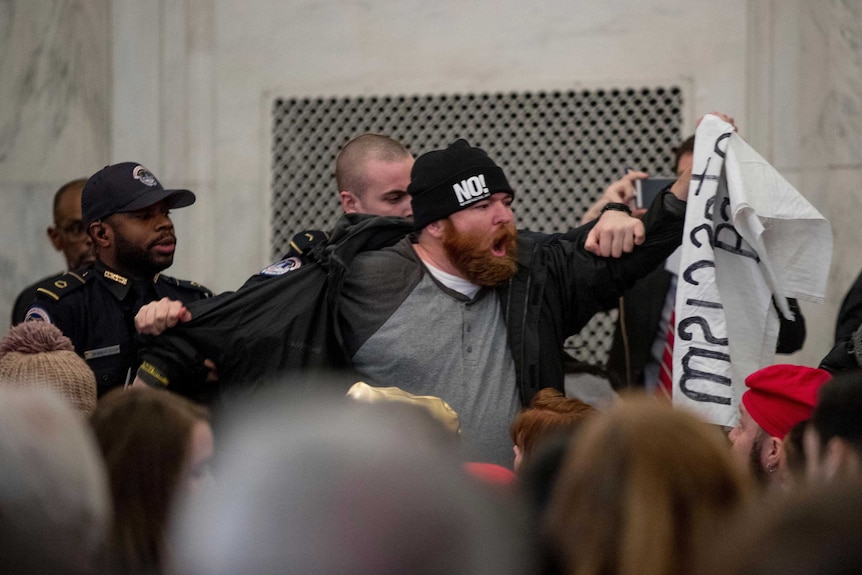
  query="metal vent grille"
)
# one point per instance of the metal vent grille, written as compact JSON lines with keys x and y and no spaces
{"x":559,"y":149}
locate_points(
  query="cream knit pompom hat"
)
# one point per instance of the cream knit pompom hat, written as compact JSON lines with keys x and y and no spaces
{"x":36,"y":353}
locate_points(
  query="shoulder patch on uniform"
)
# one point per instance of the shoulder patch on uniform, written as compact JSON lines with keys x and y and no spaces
{"x":56,"y":288}
{"x":282,"y":267}
{"x":304,"y":241}
{"x":37,"y":313}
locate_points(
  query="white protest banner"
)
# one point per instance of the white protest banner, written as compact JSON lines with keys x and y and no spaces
{"x":748,"y":236}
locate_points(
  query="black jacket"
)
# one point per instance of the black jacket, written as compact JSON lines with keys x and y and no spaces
{"x":850,"y":315}
{"x":559,"y":287}
{"x":272,"y":325}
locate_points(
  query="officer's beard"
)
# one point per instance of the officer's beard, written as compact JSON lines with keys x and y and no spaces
{"x":139,"y":261}
{"x":471,"y":254}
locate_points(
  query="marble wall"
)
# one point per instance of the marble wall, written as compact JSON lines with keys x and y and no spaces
{"x":814,"y":127}
{"x":55,"y":117}
{"x":186,"y":86}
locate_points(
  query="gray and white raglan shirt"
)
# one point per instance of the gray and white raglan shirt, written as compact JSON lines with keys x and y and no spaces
{"x":404,"y":328}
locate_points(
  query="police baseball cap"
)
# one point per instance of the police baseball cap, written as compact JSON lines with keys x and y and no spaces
{"x":126,"y":187}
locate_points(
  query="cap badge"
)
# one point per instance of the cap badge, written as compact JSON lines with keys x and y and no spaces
{"x":144,"y":175}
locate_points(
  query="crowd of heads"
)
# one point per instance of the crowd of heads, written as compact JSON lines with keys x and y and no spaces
{"x":332,"y":485}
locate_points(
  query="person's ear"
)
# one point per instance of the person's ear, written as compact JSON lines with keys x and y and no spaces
{"x":100,"y":233}
{"x":349,"y":202}
{"x":771,"y":454}
{"x":435,"y":228}
{"x":55,"y":237}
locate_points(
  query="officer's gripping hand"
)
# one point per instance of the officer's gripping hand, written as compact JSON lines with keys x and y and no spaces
{"x":157,"y":316}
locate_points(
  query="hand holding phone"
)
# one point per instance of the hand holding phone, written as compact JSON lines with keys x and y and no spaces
{"x":647,"y":189}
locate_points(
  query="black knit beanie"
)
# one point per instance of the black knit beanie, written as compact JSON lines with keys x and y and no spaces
{"x":446,"y":181}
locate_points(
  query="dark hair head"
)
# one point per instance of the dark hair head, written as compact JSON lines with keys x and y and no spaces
{"x":808,"y":532}
{"x":65,"y":189}
{"x":838,"y":407}
{"x":687,"y":147}
{"x":144,"y":436}
{"x":794,"y":452}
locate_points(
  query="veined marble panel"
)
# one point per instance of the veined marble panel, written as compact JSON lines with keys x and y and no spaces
{"x":842,"y":116}
{"x":818,"y":93}
{"x":54,"y":97}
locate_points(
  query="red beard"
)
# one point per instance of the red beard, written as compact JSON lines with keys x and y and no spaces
{"x":471,"y":254}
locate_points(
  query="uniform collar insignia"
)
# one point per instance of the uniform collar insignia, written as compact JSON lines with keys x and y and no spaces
{"x":118,"y":285}
{"x":116,"y":277}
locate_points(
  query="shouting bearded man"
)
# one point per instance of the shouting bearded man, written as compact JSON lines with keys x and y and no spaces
{"x":472,"y":311}
{"x":466,"y":308}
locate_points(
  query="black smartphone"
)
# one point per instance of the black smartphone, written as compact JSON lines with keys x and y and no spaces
{"x":648,"y":189}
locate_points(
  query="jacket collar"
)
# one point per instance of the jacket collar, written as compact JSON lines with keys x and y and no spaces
{"x":118,"y":284}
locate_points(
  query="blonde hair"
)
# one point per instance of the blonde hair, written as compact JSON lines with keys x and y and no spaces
{"x":639,"y":489}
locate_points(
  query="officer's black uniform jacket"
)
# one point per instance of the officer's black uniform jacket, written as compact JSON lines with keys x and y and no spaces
{"x":95,"y":308}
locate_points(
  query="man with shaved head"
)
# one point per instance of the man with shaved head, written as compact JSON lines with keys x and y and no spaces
{"x":372,"y":172}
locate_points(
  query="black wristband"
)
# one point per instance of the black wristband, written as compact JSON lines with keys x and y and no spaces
{"x":616,"y":206}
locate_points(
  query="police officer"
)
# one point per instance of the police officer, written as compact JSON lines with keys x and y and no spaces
{"x":67,"y":235}
{"x":126,"y":212}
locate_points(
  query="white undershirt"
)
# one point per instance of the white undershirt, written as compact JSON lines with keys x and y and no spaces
{"x":453,"y":282}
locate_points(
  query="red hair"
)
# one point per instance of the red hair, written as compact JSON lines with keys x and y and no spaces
{"x":550,"y":413}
